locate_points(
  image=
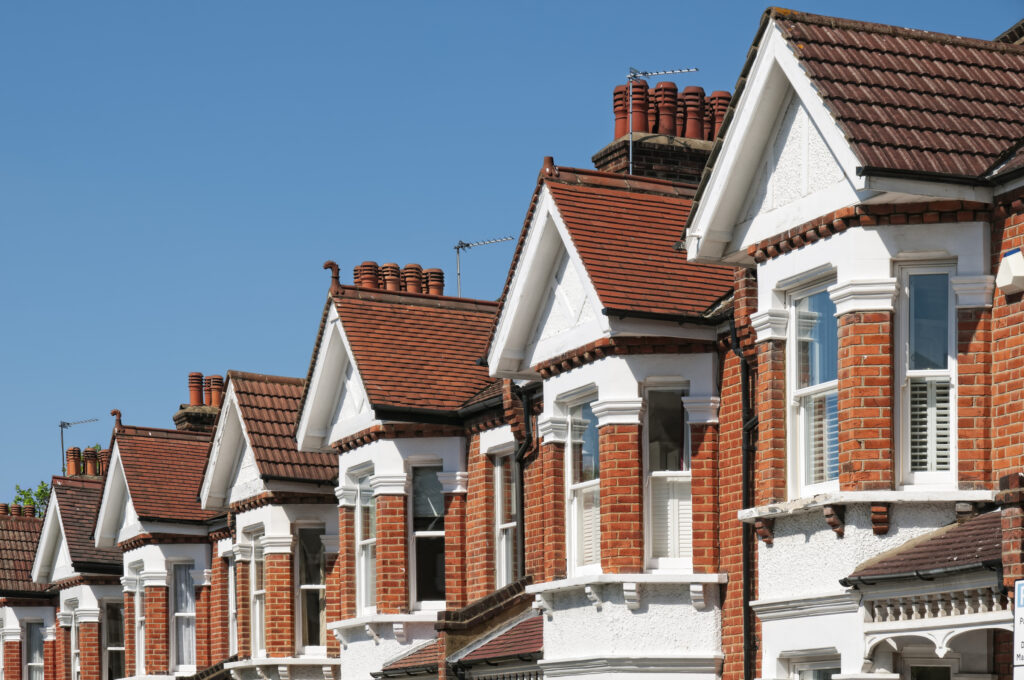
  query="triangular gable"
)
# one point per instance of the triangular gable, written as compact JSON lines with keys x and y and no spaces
{"x":53,"y":558}
{"x":335,"y":403}
{"x":231,"y":473}
{"x":551,"y":306}
{"x":117,"y":519}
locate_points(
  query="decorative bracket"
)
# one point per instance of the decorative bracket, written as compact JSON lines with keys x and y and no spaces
{"x":283,"y":672}
{"x":764,"y":527}
{"x":542,"y":602}
{"x":328,"y":672}
{"x":235,"y":674}
{"x":880,"y":518}
{"x":261,"y":671}
{"x":835,"y":518}
{"x":698,"y":596}
{"x":593,"y":593}
{"x":631,"y":594}
{"x":341,"y":636}
{"x":371,"y":630}
{"x":400,"y":633}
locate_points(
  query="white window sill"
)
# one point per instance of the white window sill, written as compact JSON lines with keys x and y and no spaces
{"x":593,"y":586}
{"x":373,"y":619}
{"x":812,"y":503}
{"x":284,"y":661}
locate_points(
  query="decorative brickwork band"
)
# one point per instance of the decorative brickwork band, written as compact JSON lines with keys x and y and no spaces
{"x":622,"y":502}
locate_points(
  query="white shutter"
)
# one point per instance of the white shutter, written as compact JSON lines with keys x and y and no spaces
{"x":661,"y":517}
{"x":929,"y":424}
{"x":821,"y":414}
{"x":671,"y":517}
{"x":589,"y":516}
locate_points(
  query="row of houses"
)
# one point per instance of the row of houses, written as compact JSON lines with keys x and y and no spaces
{"x":747,"y":407}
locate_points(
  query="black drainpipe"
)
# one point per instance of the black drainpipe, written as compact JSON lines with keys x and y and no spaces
{"x":520,"y":455}
{"x":748,"y":545}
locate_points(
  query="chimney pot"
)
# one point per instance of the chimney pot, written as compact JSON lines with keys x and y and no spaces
{"x":638,"y":106}
{"x":412,"y":278}
{"x":89,"y":462}
{"x":665,"y":94}
{"x":369,"y":276}
{"x":709,"y":119}
{"x":693,"y":96}
{"x":217,"y":389}
{"x":435,"y":281}
{"x":207,"y":390}
{"x":5,"y":509}
{"x":16,"y":510}
{"x":195,"y":389}
{"x":652,"y":113}
{"x":620,"y":106}
{"x":719,"y":102}
{"x":392,"y":276}
{"x":73,"y":461}
{"x":29,"y":511}
{"x":103,"y":461}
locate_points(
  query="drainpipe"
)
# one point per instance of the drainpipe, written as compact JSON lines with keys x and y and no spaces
{"x":520,"y":456}
{"x":749,"y":432}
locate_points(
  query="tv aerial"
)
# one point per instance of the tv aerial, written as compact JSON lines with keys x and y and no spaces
{"x":63,"y":425}
{"x":462,"y":245}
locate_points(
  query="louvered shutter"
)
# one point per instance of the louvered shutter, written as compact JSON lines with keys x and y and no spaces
{"x":822,"y":432}
{"x":589,"y":517}
{"x":671,"y":517}
{"x":929,"y":424}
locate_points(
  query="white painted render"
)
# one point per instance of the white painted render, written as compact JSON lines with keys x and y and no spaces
{"x":370,"y":642}
{"x":231,"y":473}
{"x":152,"y":563}
{"x":278,"y":521}
{"x":89,"y":598}
{"x":390,"y":460}
{"x":52,"y":560}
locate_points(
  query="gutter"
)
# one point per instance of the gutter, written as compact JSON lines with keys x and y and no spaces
{"x":659,"y":316}
{"x":434,"y":416}
{"x":921,"y":574}
{"x":872,"y":171}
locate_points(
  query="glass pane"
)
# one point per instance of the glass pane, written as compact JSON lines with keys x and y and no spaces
{"x":819,"y":674}
{"x":115,"y":665}
{"x":821,"y":437}
{"x":257,"y":622}
{"x":583,"y":440}
{"x":667,"y":424}
{"x":507,"y":490}
{"x":115,"y":625}
{"x":929,"y":673}
{"x":430,"y":567}
{"x":817,"y":340}
{"x":313,"y":605}
{"x":311,"y":557}
{"x":34,"y":632}
{"x":369,"y":574}
{"x":929,"y":321}
{"x":427,"y":499}
{"x":185,"y":640}
{"x":257,"y":568}
{"x":184,"y":590}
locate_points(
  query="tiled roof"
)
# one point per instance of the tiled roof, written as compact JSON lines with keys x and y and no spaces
{"x":625,"y":230}
{"x":269,"y":406}
{"x":416,"y":351}
{"x":18,"y":539}
{"x":78,"y":501}
{"x":164,"y":469}
{"x":976,"y":542}
{"x":525,"y":638}
{"x":424,"y":656}
{"x":911,"y":100}
{"x":491,"y":391}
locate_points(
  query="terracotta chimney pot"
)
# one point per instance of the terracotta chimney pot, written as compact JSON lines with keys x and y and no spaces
{"x":392,"y":276}
{"x":89,"y":462}
{"x":29,"y":511}
{"x":207,"y":390}
{"x":652,"y":113}
{"x":104,"y":461}
{"x":694,"y":98}
{"x":435,"y":281}
{"x":195,"y":389}
{"x":638,"y":106}
{"x":74,"y":461}
{"x":665,"y":94}
{"x":620,"y":107}
{"x":709,"y":119}
{"x":720,"y":103}
{"x":412,"y":278}
{"x":16,"y":511}
{"x":217,"y":388}
{"x":680,"y":115}
{"x":5,"y":509}
{"x":369,"y":276}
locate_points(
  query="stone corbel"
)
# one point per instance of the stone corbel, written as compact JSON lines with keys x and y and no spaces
{"x":277,"y":545}
{"x":341,"y":636}
{"x":401,"y":634}
{"x":261,"y":671}
{"x":453,"y":482}
{"x":699,"y":595}
{"x":65,"y":619}
{"x":770,"y":324}
{"x":87,"y":615}
{"x":154,"y":577}
{"x":388,"y":485}
{"x":973,"y":291}
{"x":764,"y":527}
{"x":49,"y":633}
{"x":867,"y":295}
{"x":593,"y":593}
{"x":624,"y":411}
{"x":346,"y":495}
{"x":880,"y":518}
{"x":371,"y":631}
{"x":284,"y":672}
{"x":129,"y":584}
{"x":202,"y":577}
{"x":631,"y":595}
{"x":542,"y":603}
{"x":702,"y":410}
{"x":552,"y":429}
{"x":835,"y":518}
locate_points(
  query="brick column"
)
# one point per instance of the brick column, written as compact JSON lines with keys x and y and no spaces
{"x":129,"y":636}
{"x":157,"y":633}
{"x":12,"y":659}
{"x":702,"y":414}
{"x":454,"y":486}
{"x":770,"y":405}
{"x":1011,"y":501}
{"x":50,"y":652}
{"x":204,"y":613}
{"x":342,"y":578}
{"x":89,"y":643}
{"x":622,"y":490}
{"x":545,"y":512}
{"x":480,"y":523}
{"x":218,"y":609}
{"x":280,"y":597}
{"x":392,"y":544}
{"x":243,"y":568}
{"x":866,"y":401}
{"x":974,"y":381}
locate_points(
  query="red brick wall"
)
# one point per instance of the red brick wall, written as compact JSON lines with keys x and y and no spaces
{"x":770,"y":475}
{"x":129,"y":638}
{"x":1002,"y":657}
{"x":545,"y":514}
{"x":156,"y":630}
{"x":333,"y":599}
{"x":704,"y":457}
{"x":974,"y":398}
{"x":50,"y":659}
{"x":280,"y":605}
{"x":480,"y":523}
{"x":1007,"y":357}
{"x":243,"y":572}
{"x":866,"y":401}
{"x":12,"y":660}
{"x":218,"y":610}
{"x":62,"y":653}
{"x":622,"y":500}
{"x":89,"y":650}
{"x":344,"y":567}
{"x":455,"y":549}
{"x":204,"y":595}
{"x":392,"y":555}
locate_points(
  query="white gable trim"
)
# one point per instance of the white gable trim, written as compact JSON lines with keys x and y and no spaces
{"x":116,"y":509}
{"x":230,"y":442}
{"x":526,"y":298}
{"x":318,"y":422}
{"x":52,"y":547}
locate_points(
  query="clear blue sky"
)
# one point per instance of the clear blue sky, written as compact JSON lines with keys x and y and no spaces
{"x":173,"y":174}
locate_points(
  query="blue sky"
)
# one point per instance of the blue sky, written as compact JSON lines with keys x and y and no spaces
{"x":173,"y":174}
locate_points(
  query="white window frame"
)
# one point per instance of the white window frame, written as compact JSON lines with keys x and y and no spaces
{"x":257,"y":614}
{"x":417,"y":603}
{"x":504,"y":532}
{"x":799,"y":485}
{"x":139,"y":616}
{"x":1,"y":646}
{"x":174,"y":615}
{"x":104,"y":637}
{"x":366,"y":546}
{"x":932,"y":478}
{"x":683,"y":560}
{"x":318,"y":650}
{"x":797,"y":667}
{"x":75,"y":644}
{"x":573,"y":489}
{"x":26,"y":652}
{"x":232,"y":607}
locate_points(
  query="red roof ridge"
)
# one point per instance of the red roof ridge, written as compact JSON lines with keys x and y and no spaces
{"x":62,"y":480}
{"x":619,"y":181}
{"x":162,"y":433}
{"x":407,"y":297}
{"x":889,"y":29}
{"x":264,"y":377}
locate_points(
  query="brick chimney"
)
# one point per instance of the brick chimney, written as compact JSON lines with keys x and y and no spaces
{"x":204,"y":399}
{"x":673,"y":131}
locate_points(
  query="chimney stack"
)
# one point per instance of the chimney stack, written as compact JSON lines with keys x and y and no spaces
{"x":15,"y":510}
{"x":89,"y":462}
{"x":638,"y":106}
{"x":200,"y":413}
{"x":73,"y":461}
{"x":29,"y":510}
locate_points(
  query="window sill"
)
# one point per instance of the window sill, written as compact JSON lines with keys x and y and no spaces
{"x":812,"y":503}
{"x":593,"y":586}
{"x":283,"y":661}
{"x":373,"y":624}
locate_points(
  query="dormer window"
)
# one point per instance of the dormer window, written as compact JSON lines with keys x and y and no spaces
{"x":813,"y":368}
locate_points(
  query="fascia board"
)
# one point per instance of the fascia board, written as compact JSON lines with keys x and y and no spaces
{"x":924,"y":189}
{"x":115,"y":475}
{"x":214,"y":470}
{"x":46,"y":549}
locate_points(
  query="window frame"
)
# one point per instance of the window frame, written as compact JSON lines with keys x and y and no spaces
{"x":679,"y":563}
{"x":930,"y":478}
{"x":505,"y":543}
{"x":257,"y":615}
{"x":318,"y":650}
{"x":27,"y":664}
{"x":413,"y":534}
{"x":105,"y":627}
{"x":173,"y":616}
{"x":232,"y":578}
{"x":139,"y":619}
{"x":365,"y":547}
{"x":797,"y":458}
{"x":74,"y":646}
{"x":579,"y":399}
{"x":798,"y":667}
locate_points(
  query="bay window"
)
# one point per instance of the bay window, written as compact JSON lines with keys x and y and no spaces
{"x":257,"y":598}
{"x":76,"y":652}
{"x":927,"y":329}
{"x":668,"y":491}
{"x":183,"y":617}
{"x":34,"y":651}
{"x":428,"y":535}
{"x":584,"y":489}
{"x":504,"y":520}
{"x":140,"y":623}
{"x":232,"y":609}
{"x":113,"y":640}
{"x":312,"y":586}
{"x":813,"y":372}
{"x":366,"y":547}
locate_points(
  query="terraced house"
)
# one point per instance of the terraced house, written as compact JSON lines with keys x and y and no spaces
{"x":745,"y":408}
